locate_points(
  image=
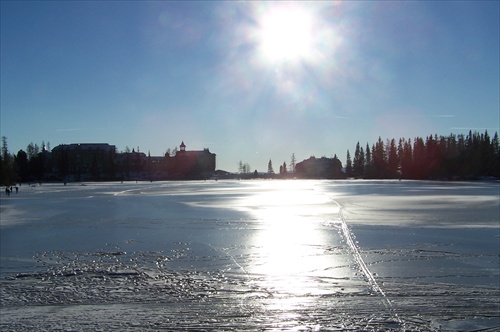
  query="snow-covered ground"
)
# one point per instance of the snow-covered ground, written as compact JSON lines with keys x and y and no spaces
{"x":251,"y":255}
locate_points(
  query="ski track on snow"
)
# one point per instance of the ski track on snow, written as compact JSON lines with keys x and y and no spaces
{"x":349,"y":236}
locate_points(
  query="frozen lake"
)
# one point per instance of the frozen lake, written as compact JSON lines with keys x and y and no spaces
{"x":251,"y":255}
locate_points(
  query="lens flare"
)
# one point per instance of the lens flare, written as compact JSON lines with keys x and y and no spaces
{"x":294,"y":33}
{"x":286,"y":34}
{"x":289,"y":55}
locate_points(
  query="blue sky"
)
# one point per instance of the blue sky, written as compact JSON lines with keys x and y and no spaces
{"x":252,"y":81}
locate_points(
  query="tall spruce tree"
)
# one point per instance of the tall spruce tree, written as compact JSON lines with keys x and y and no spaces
{"x":293,"y":162}
{"x":348,"y":164}
{"x":270,"y":169}
{"x":368,"y":162}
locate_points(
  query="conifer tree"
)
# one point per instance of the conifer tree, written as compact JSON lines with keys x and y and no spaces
{"x":368,"y":162}
{"x":348,"y":164}
{"x":392,"y":158}
{"x":270,"y":169}
{"x":292,"y":163}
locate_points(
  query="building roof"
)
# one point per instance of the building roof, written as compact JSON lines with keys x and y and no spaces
{"x":86,"y":146}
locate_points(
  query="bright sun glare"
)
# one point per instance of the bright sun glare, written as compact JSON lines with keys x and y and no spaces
{"x":286,"y":34}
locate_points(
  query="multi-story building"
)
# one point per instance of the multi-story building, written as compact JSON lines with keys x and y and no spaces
{"x":84,"y":162}
{"x":79,"y":162}
{"x":320,"y":168}
{"x":191,"y":164}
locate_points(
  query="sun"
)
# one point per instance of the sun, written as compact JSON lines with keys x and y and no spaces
{"x":286,"y":33}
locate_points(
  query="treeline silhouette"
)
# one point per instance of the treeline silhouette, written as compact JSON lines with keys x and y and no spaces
{"x":454,"y":157}
{"x":23,"y":166}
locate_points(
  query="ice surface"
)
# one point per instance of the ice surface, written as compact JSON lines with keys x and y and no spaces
{"x":251,"y":255}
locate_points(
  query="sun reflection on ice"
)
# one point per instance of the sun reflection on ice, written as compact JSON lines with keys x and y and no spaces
{"x":292,"y":244}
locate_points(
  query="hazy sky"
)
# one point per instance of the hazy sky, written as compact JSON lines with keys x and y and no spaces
{"x":252,"y":81}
